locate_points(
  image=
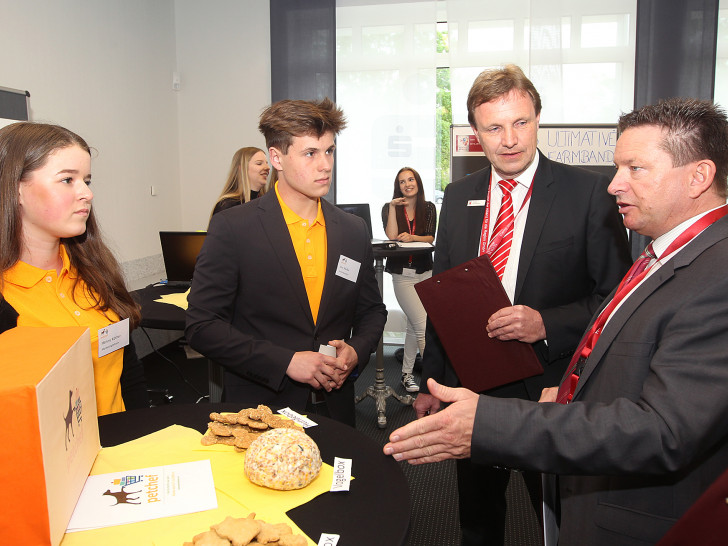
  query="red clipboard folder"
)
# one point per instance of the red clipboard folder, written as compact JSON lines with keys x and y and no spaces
{"x":459,"y":303}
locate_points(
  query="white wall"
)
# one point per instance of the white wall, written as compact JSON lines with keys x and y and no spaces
{"x":223,"y":54}
{"x":104,"y":69}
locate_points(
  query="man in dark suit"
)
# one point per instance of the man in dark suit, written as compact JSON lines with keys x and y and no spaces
{"x":285,"y":274}
{"x":568,"y":251}
{"x":641,"y":431}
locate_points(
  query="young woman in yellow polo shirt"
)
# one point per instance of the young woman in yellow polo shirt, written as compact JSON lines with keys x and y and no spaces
{"x":54,"y":268}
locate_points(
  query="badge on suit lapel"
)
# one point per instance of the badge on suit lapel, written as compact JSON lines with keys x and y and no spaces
{"x":348,"y":269}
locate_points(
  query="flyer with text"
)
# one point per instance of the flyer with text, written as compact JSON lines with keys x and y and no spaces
{"x":130,"y":496}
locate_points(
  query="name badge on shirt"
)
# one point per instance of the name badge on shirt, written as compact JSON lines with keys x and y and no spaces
{"x":476,"y":203}
{"x":348,"y":269}
{"x":409,"y":272}
{"x":113,"y":337}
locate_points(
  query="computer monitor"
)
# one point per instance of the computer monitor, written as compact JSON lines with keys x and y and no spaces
{"x":179,"y":251}
{"x":362,"y":211}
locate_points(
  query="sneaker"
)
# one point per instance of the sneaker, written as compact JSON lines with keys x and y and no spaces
{"x":409,"y":383}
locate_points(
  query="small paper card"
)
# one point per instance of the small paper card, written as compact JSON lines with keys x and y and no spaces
{"x":342,"y":474}
{"x":130,"y":496}
{"x":328,"y":539}
{"x":305,"y":422}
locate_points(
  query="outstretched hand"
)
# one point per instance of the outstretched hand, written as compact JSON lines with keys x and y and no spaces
{"x":445,"y":435}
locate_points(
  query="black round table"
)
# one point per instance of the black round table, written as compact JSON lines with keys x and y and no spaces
{"x":156,"y":314}
{"x":380,"y":391}
{"x":375,"y":511}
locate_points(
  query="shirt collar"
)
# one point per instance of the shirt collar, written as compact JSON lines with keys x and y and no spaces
{"x":291,"y":217}
{"x":26,"y":275}
{"x":660,"y":244}
{"x":525,"y":178}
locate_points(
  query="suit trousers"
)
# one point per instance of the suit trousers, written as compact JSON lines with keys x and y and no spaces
{"x":482,"y":490}
{"x":346,"y":411}
{"x":482,"y":496}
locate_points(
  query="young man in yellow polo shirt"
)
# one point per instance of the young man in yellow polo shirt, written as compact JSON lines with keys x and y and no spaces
{"x":281,"y":276}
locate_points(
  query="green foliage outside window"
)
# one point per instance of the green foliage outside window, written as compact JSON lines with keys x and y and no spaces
{"x":443,"y":118}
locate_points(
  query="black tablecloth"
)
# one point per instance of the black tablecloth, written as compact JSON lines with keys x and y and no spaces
{"x":162,"y":316}
{"x":375,"y":511}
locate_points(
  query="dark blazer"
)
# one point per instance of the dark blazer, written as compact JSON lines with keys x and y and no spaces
{"x":574,"y":252}
{"x":248,"y":308}
{"x":652,"y":433}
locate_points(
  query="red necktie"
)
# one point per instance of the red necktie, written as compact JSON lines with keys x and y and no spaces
{"x":633,"y":276}
{"x":503,"y":229}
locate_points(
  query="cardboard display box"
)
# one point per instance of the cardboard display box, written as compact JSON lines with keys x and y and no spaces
{"x":48,"y":414}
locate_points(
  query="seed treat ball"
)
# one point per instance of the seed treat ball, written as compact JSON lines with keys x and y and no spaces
{"x":282,"y":459}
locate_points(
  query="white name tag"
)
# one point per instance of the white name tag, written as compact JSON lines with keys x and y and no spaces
{"x":305,"y":422}
{"x":327,"y":539}
{"x":476,"y":203}
{"x":408,"y":272}
{"x":348,"y":269}
{"x":113,"y":337}
{"x":342,"y":475}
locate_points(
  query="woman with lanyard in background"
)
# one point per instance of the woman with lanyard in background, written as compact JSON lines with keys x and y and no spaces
{"x":409,"y":218}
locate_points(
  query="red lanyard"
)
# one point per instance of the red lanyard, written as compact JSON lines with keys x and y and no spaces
{"x":566,"y":390}
{"x":411,"y":229}
{"x":484,"y":247}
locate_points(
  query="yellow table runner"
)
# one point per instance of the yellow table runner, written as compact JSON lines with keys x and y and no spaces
{"x":178,"y":298}
{"x":236,"y":495}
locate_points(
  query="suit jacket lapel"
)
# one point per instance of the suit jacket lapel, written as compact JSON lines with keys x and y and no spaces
{"x":544,"y":191}
{"x":620,"y":317}
{"x":334,"y":245}
{"x":709,"y":237}
{"x":279,"y":238}
{"x":476,"y":214}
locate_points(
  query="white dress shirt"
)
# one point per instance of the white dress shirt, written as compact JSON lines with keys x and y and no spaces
{"x":518,"y":194}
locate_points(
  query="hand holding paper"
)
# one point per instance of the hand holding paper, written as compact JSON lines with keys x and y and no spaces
{"x":316,"y":369}
{"x":459,"y":302}
{"x":517,"y":322}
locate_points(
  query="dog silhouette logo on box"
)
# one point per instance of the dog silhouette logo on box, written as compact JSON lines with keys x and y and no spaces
{"x":74,"y":409}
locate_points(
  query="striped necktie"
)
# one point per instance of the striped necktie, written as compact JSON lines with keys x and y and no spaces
{"x":503,"y":229}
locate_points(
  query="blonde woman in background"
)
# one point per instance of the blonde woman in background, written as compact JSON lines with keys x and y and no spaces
{"x":246,"y":180}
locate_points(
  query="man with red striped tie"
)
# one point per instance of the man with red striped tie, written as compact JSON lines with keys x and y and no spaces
{"x":556,"y":241}
{"x":636,"y":429}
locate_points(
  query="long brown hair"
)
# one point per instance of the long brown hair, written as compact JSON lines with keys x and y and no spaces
{"x":402,"y":225}
{"x":24,"y":148}
{"x":237,"y":185}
